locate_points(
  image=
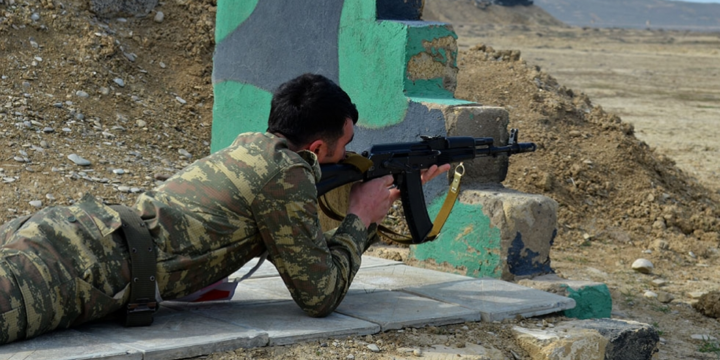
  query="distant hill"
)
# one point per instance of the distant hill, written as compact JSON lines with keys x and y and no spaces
{"x":653,"y":14}
{"x":478,"y":12}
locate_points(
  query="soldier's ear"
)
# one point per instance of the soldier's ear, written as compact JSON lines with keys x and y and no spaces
{"x":319,"y":147}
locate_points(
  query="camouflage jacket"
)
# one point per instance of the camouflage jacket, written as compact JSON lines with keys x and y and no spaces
{"x":256,"y":195}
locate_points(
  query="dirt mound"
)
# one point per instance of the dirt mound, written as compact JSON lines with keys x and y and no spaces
{"x":611,"y":187}
{"x":475,"y":12}
{"x":132,"y":96}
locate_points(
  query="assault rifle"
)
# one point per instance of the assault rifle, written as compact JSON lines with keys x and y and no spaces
{"x":405,"y":161}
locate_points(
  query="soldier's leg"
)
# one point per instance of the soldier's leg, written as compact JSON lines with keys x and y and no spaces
{"x":66,"y":266}
{"x":12,"y":312}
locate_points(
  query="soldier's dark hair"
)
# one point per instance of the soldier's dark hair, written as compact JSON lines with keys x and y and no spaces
{"x":309,"y":107}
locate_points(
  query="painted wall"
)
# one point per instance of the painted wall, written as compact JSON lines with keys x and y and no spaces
{"x":388,"y":67}
{"x":400,"y":72}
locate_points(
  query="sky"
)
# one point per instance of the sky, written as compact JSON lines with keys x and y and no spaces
{"x":701,"y":1}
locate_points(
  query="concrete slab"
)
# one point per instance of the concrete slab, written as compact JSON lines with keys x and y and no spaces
{"x":402,"y":276}
{"x":275,"y":287}
{"x":267,"y":269}
{"x":177,"y":335}
{"x":495,"y":299}
{"x":396,"y":310}
{"x":371,"y":261}
{"x":284,"y":322}
{"x":67,"y":344}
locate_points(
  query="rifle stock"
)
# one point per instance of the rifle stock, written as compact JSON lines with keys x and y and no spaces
{"x":405,"y":161}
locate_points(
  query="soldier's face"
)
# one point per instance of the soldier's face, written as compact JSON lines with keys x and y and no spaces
{"x":337,"y":152}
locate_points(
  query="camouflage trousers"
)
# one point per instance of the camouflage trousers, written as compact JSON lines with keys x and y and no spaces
{"x":61,"y":267}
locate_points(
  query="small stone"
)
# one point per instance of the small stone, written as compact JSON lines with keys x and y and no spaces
{"x":67,"y":130}
{"x":135,"y":190}
{"x":705,"y":337}
{"x":350,"y":357}
{"x":104,"y":91}
{"x":643,"y":266}
{"x":664,"y":297}
{"x":130,"y":56}
{"x":162,"y":65}
{"x":185,"y":153}
{"x":417,"y":352}
{"x":19,"y":159}
{"x":35,"y":17}
{"x":650,"y":295}
{"x":36,"y":203}
{"x":696,"y":294}
{"x":50,"y":197}
{"x":118,"y":171}
{"x":659,"y":282}
{"x":373,"y":348}
{"x":48,"y":130}
{"x":180,"y":100}
{"x":80,"y":116}
{"x":34,"y":44}
{"x":119,"y":82}
{"x":141,"y":123}
{"x":159,"y":17}
{"x":78,"y":160}
{"x":81,"y":94}
{"x":123,"y":188}
{"x":58,"y":105}
{"x":161,"y":177}
{"x":44,"y":144}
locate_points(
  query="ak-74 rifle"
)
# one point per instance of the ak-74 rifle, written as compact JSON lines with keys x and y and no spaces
{"x":405,"y":161}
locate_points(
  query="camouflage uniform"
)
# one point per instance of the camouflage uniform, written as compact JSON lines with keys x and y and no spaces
{"x":65,"y":266}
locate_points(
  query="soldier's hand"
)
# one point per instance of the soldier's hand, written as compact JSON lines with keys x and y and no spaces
{"x":430,"y":173}
{"x":371,"y":200}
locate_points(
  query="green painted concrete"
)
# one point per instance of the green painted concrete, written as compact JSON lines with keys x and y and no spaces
{"x":467,"y":240}
{"x":419,"y":40}
{"x":592,"y":302}
{"x":238,"y":108}
{"x":230,"y":14}
{"x":442,"y":101}
{"x":432,"y":88}
{"x":371,"y":59}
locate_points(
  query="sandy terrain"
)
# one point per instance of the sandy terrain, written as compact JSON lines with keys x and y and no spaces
{"x":667,"y":84}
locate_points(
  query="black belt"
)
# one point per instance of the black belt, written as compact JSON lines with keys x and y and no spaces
{"x":143,"y":262}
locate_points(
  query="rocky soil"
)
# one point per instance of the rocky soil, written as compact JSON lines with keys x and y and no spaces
{"x":133,"y":98}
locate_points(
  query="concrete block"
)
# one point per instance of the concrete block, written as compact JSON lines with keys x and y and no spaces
{"x":493,"y":232}
{"x":70,"y":345}
{"x":626,"y":339}
{"x":592,"y":299}
{"x":401,"y":276}
{"x":192,"y":335}
{"x":549,"y":344}
{"x":495,"y":299}
{"x":284,"y":322}
{"x":397,"y":309}
{"x":481,"y":121}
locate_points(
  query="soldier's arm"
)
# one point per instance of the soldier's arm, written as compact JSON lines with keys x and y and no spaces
{"x":316,"y":270}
